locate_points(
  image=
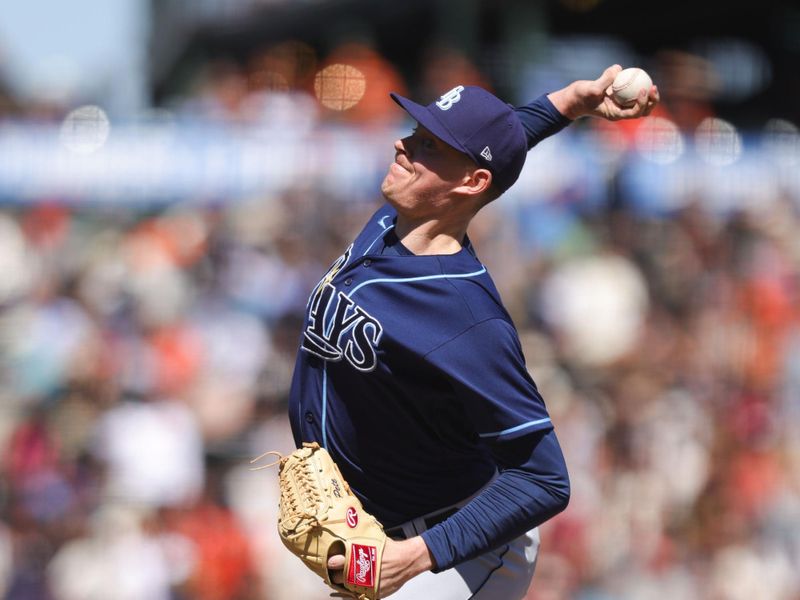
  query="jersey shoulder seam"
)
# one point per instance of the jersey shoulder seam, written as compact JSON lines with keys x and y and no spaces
{"x":457,"y":292}
{"x":460,"y":294}
{"x":463,"y":331}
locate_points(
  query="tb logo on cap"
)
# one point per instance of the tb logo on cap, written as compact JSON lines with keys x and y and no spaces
{"x":447,"y":100}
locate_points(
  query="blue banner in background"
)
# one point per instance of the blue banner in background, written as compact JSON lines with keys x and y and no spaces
{"x":202,"y":163}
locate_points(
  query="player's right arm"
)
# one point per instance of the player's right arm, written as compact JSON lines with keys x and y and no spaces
{"x":589,"y":98}
{"x":550,"y":113}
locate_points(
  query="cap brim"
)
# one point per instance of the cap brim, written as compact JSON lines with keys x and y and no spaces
{"x":425,"y":117}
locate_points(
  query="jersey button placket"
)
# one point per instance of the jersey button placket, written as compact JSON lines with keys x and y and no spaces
{"x":367,"y":263}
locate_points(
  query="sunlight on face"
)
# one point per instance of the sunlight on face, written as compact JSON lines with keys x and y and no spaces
{"x":425,"y":172}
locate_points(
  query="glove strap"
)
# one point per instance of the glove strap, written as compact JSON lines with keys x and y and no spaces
{"x":272,"y":464}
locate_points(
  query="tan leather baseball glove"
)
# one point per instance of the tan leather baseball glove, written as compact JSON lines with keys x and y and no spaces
{"x":319,"y":517}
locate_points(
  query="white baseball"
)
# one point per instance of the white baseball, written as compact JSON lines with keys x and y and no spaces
{"x":627,"y":85}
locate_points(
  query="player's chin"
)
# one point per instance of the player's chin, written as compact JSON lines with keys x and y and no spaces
{"x":390,"y":182}
{"x":390,"y":194}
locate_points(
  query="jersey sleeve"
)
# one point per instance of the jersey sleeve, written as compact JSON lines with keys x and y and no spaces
{"x":540,"y":119}
{"x":532,"y":487}
{"x":486,"y":368}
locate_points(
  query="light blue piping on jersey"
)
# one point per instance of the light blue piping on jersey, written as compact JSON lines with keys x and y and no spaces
{"x":514,"y":429}
{"x":324,"y":404}
{"x":420,"y":278}
{"x":385,"y":229}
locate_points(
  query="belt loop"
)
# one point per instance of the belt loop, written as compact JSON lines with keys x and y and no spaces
{"x":419,"y":525}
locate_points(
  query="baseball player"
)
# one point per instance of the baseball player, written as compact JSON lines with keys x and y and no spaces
{"x":410,"y":371}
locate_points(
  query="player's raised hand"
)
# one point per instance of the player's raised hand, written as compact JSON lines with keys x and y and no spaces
{"x":593,"y":98}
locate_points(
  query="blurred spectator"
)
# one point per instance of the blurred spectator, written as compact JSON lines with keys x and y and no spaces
{"x":444,"y":67}
{"x":595,"y":306}
{"x":152,"y":451}
{"x":690,"y":87}
{"x":8,"y":104}
{"x":222,"y":89}
{"x":118,"y":559}
{"x":222,"y":561}
{"x":285,"y":66}
{"x":353,"y":84}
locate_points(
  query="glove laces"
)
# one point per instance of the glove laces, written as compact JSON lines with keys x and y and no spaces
{"x":302,"y":474}
{"x":308,"y":499}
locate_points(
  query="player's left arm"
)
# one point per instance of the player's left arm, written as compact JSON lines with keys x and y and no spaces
{"x":533,"y":486}
{"x":504,"y":406}
{"x":401,"y":561}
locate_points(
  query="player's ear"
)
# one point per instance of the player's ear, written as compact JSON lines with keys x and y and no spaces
{"x":475,"y":182}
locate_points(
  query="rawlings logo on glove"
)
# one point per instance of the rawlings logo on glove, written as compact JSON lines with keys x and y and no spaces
{"x":319,"y":516}
{"x":362,"y":566}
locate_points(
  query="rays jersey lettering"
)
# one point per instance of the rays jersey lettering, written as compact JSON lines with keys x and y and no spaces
{"x":339,"y":328}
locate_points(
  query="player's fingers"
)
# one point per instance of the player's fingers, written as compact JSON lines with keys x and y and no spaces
{"x":336,"y":562}
{"x":631,"y":112}
{"x":642,"y":99}
{"x":607,"y":78}
{"x":639,"y":107}
{"x":653,"y":98}
{"x":655,"y":95}
{"x":336,"y":568}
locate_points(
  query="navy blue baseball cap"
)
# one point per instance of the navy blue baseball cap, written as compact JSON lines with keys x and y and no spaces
{"x":480,"y":125}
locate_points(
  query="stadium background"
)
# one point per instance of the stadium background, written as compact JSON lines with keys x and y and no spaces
{"x":164,"y":216}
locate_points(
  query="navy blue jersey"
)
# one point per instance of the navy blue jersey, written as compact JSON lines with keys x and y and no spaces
{"x":409,"y":371}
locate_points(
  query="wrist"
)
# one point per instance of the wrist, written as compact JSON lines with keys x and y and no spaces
{"x":418,"y":555}
{"x":567,"y":102}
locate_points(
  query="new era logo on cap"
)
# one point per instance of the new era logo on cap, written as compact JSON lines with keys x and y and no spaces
{"x":480,"y":125}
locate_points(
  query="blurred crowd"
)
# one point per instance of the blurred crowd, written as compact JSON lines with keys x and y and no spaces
{"x":146,"y":356}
